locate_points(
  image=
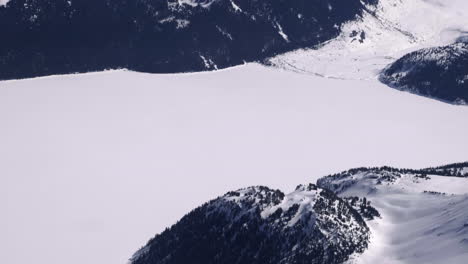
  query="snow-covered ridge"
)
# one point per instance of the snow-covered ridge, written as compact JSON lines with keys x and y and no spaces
{"x":302,"y":201}
{"x":452,"y":179}
{"x":304,"y":197}
{"x":368,"y":182}
{"x":303,"y":205}
{"x":307,"y":224}
{"x":442,"y":56}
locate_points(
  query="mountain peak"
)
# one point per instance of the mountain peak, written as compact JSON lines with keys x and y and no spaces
{"x":261,"y":225}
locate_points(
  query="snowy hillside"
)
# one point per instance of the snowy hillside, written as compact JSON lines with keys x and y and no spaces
{"x":423,"y":216}
{"x":386,"y":32}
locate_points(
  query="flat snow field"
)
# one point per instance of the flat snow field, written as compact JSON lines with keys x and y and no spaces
{"x":93,"y":165}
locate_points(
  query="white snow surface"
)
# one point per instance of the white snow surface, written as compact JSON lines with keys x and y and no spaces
{"x":235,"y":6}
{"x":281,"y":32}
{"x":193,"y":3}
{"x":93,"y":165}
{"x":416,"y":226}
{"x":392,"y":29}
{"x":4,"y":2}
{"x":304,"y":198}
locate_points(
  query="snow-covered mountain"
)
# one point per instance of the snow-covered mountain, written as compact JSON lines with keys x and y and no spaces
{"x":414,"y":216}
{"x":260,"y":225}
{"x":440,"y":73}
{"x":44,"y":37}
{"x":423,"y":212}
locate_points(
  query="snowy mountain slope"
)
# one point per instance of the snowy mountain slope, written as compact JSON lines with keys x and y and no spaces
{"x":440,"y":73}
{"x":423,"y":216}
{"x":44,"y":37}
{"x":260,"y":225}
{"x":386,"y":32}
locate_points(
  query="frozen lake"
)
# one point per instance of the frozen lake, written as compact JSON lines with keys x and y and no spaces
{"x":93,"y":165}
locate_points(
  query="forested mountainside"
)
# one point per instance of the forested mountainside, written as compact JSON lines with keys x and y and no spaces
{"x":440,"y":73}
{"x":261,"y":225}
{"x":44,"y":37}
